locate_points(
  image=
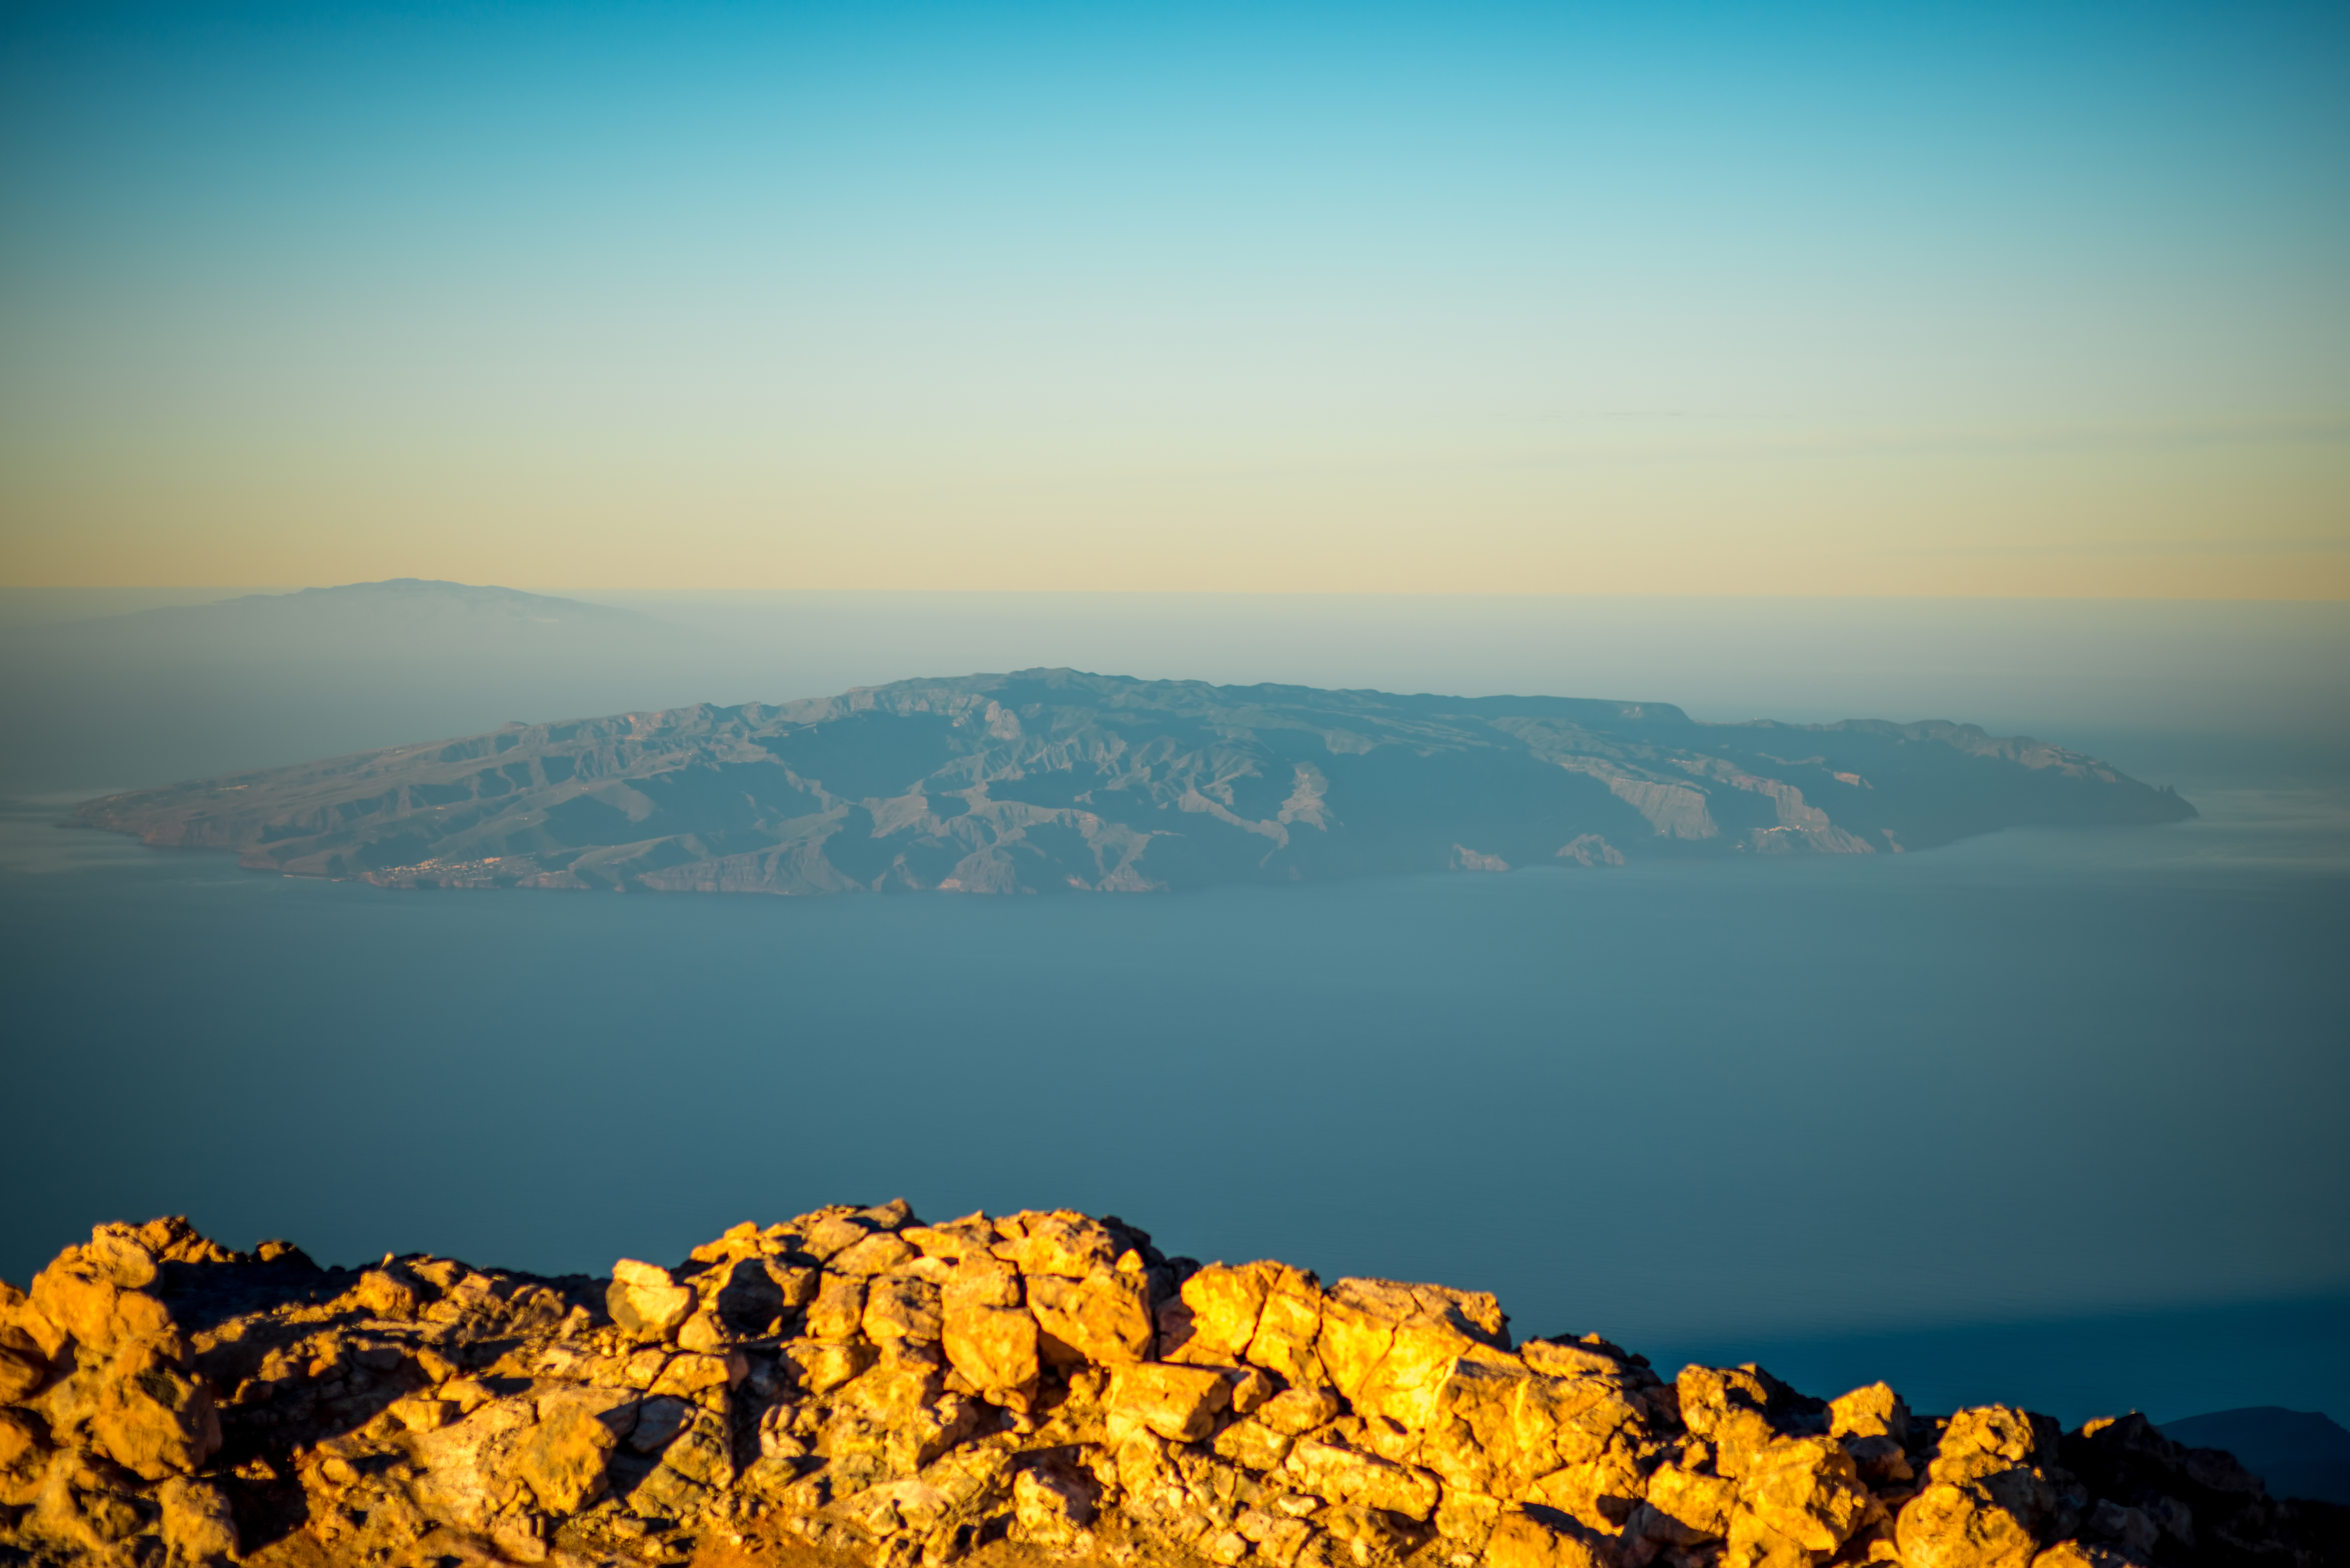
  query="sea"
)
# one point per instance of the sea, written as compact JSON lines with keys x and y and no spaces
{"x":2046,"y":1118}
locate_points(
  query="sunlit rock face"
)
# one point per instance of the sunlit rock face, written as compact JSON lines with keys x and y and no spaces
{"x":854,"y":1385}
{"x":1053,"y":780}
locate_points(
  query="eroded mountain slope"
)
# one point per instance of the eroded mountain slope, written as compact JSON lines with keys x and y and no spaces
{"x":1052,"y":779}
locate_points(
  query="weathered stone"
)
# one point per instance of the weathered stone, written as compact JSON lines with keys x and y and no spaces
{"x":988,"y":1336}
{"x":1589,"y":1358}
{"x":1387,"y":1345}
{"x":1687,"y":1506}
{"x":1179,"y":1403}
{"x":562,"y":1458}
{"x":1103,"y":1317}
{"x":875,"y":1254}
{"x":1288,"y":1325}
{"x":1799,"y":1501}
{"x":1061,"y":1242}
{"x":2085,"y":1554}
{"x":818,"y":1366}
{"x":1052,"y":1506}
{"x":151,"y":1416}
{"x":24,"y":1457}
{"x":898,"y":1307}
{"x":838,"y":1309}
{"x":1213,"y":1318}
{"x":1252,"y":1445}
{"x":1989,"y":1438}
{"x":92,"y":1309}
{"x":199,"y":1526}
{"x":1951,"y":1525}
{"x":645,"y":1301}
{"x":1295,"y":1411}
{"x":1598,"y":1493}
{"x":1344,"y":1475}
{"x":24,"y":1365}
{"x":1881,"y":1459}
{"x":1497,"y":1427}
{"x":383,"y":1293}
{"x":1875,"y":1411}
{"x":692,"y":1374}
{"x":1519,"y":1539}
{"x":1727,"y":1406}
{"x":2132,"y":1530}
{"x":705,"y":1333}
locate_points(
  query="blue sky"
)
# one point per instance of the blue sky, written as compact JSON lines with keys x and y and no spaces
{"x":847,"y":295}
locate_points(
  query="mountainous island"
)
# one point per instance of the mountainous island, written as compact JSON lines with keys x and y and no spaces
{"x":853,"y":1387}
{"x":1053,"y":780}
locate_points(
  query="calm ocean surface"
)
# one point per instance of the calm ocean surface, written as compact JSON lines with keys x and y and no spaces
{"x":2048,"y":1117}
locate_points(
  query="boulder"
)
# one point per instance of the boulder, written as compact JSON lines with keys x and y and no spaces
{"x":1061,"y":1243}
{"x":1875,"y":1411}
{"x":1989,"y":1438}
{"x":1955,"y":1525}
{"x":1343,"y":1475}
{"x":1520,"y":1540}
{"x":817,"y":1366}
{"x":1103,"y":1317}
{"x":1682,"y":1508}
{"x":645,"y":1301}
{"x":151,"y":1416}
{"x":1213,"y":1318}
{"x":82,"y":1296}
{"x":24,"y":1450}
{"x":1295,"y":1411}
{"x":901,"y":1307}
{"x":1287,"y":1327}
{"x":199,"y":1526}
{"x":988,"y":1335}
{"x":838,"y":1309}
{"x":24,"y":1365}
{"x":563,"y":1458}
{"x":1728,"y":1406}
{"x":2085,"y":1554}
{"x":1052,"y":1506}
{"x":1252,"y":1445}
{"x":1384,"y":1344}
{"x":1799,"y":1501}
{"x":1179,"y":1403}
{"x":875,"y":1254}
{"x":2131,"y":1531}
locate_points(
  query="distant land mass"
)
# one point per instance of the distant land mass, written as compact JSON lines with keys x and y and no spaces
{"x":1051,"y":780}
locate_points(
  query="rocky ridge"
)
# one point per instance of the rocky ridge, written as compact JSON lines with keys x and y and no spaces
{"x":855,"y":1386}
{"x":1053,"y":780}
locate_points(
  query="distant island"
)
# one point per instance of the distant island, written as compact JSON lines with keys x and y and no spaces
{"x":1056,"y":780}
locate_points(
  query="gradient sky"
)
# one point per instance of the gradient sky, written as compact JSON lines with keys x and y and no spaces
{"x":2010,"y":299}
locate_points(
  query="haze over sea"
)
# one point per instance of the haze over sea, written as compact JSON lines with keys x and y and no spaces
{"x":2047,"y":1116}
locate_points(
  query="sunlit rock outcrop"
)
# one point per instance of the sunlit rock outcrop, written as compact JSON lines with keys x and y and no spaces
{"x":855,"y":1386}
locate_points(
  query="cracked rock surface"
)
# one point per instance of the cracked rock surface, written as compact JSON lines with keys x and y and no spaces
{"x":856,"y":1387}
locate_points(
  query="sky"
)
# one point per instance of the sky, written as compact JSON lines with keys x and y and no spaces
{"x":1805,"y":299}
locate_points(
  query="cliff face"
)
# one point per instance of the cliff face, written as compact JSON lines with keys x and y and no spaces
{"x":853,"y":1385}
{"x":1049,"y":780}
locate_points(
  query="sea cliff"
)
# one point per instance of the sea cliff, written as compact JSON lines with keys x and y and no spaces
{"x":856,"y":1385}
